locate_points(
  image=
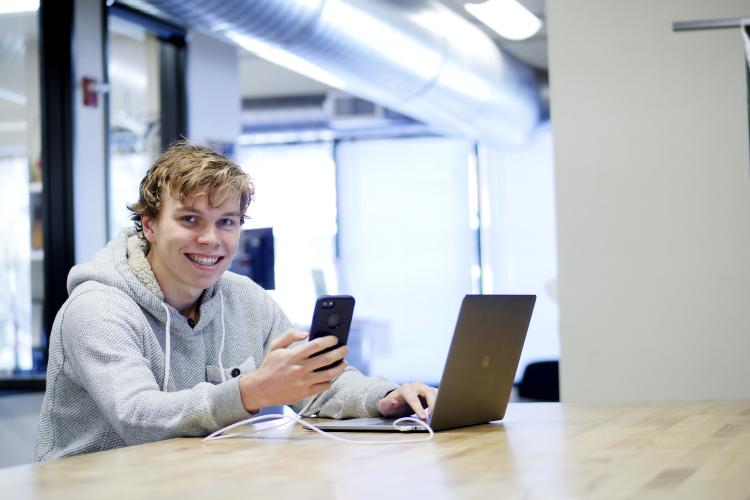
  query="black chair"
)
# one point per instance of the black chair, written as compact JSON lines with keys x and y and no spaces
{"x":541,"y":381}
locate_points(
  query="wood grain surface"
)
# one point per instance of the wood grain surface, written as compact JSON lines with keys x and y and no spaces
{"x":644,"y":450}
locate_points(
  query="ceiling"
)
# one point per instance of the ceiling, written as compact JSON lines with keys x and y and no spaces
{"x":269,"y":79}
{"x":532,"y":51}
{"x":422,"y":58}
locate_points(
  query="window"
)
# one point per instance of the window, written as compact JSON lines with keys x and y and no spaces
{"x":22,"y":338}
{"x":394,"y":222}
{"x":407,"y":249}
{"x":296,"y":196}
{"x":147,"y":106}
{"x":135,"y":128}
{"x":519,"y":235}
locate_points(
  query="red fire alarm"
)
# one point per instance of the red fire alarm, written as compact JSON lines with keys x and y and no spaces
{"x":90,"y":92}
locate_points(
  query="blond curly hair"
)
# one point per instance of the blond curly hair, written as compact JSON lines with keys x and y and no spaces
{"x":186,"y":170}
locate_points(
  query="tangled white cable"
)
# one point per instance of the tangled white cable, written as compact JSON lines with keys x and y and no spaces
{"x":297,"y":418}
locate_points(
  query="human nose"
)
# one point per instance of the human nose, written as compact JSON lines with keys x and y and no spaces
{"x":208,"y":236}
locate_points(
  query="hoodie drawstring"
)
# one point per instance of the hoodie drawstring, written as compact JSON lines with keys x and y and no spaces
{"x":223,"y":334}
{"x":167,"y":336}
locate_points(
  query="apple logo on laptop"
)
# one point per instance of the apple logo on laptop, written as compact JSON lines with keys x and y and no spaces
{"x":486,"y":361}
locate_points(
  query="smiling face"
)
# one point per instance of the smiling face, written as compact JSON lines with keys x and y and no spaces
{"x":191,"y":245}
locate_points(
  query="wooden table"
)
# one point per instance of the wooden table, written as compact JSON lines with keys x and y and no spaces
{"x":645,"y":450}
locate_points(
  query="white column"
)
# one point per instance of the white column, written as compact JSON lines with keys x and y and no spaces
{"x":89,"y":163}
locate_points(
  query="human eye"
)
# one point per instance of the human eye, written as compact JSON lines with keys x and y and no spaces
{"x":188,"y":218}
{"x":227,"y":222}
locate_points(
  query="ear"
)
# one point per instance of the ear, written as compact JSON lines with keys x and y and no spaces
{"x":149,"y":228}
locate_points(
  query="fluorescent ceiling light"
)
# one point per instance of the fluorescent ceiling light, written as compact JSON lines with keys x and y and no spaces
{"x":507,"y":18}
{"x":16,"y":6}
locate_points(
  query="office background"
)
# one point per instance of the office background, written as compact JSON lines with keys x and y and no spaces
{"x":643,"y":208}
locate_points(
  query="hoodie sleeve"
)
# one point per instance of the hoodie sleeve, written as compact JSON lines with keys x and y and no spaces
{"x":352,"y":395}
{"x":102,"y":341}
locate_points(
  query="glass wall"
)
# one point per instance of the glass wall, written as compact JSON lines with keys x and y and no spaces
{"x":135,"y":131}
{"x":519,"y":235}
{"x":407,"y":248}
{"x":396,"y":224}
{"x":21,"y":254}
{"x":296,"y":196}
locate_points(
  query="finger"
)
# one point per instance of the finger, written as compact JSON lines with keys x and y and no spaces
{"x":307,"y":349}
{"x":409,"y":393}
{"x":426,"y":393}
{"x":341,"y":368}
{"x":327,"y":375}
{"x":328,"y":358}
{"x":431,"y":397}
{"x":318,"y":388}
{"x":287,"y":338}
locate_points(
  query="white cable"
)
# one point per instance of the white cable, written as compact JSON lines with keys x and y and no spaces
{"x":223,"y":334}
{"x":297,"y":418}
{"x":167,"y":336}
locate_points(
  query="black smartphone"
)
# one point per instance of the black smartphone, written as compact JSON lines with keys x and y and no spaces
{"x":332,"y":316}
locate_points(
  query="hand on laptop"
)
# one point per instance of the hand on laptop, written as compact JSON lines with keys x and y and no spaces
{"x":408,"y":399}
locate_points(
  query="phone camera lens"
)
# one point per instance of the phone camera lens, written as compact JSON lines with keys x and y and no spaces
{"x":333,"y":320}
{"x":328,"y":304}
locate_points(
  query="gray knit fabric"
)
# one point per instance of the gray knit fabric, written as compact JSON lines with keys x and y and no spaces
{"x":106,"y":360}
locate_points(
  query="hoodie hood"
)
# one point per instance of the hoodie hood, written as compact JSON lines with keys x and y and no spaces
{"x":122,"y":264}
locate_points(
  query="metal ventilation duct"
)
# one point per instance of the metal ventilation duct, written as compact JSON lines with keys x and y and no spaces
{"x":417,"y":57}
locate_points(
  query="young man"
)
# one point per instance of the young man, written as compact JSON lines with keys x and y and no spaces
{"x":157,"y":340}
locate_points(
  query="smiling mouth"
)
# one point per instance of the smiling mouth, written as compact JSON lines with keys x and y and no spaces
{"x":204,"y":261}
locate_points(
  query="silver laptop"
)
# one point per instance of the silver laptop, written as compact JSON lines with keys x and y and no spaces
{"x":479,"y":372}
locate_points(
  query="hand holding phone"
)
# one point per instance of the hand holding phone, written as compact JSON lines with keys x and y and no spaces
{"x":286,"y":374}
{"x":332,"y":316}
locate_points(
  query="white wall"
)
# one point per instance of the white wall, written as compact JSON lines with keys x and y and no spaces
{"x":651,"y":155}
{"x":213,"y":91}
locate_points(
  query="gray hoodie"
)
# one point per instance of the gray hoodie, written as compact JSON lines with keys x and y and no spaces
{"x":107,"y":365}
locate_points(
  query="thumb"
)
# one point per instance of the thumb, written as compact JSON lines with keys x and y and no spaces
{"x":287,"y":338}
